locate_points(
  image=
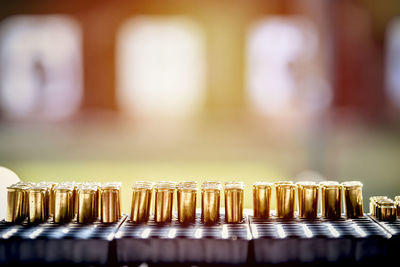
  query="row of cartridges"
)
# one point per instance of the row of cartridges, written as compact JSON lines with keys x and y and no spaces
{"x":89,"y":202}
{"x":64,"y":202}
{"x":384,"y":208}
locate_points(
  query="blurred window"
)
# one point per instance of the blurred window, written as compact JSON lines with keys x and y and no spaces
{"x":283,"y":73}
{"x":393,"y":62}
{"x":161,"y":66}
{"x":40,"y":66}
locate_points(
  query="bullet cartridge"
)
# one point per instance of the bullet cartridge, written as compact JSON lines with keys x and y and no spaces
{"x":141,"y":201}
{"x":234,"y":202}
{"x":261,"y":199}
{"x":210,"y":202}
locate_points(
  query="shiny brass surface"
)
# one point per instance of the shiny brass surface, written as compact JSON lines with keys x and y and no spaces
{"x":234,"y":202}
{"x":110,"y":195}
{"x":116,"y":185}
{"x":86,"y":206}
{"x":353,"y":199}
{"x":307,"y":193}
{"x":97,"y":200}
{"x":37,"y":204}
{"x":141,"y":201}
{"x":47,"y":187}
{"x":63,"y":204}
{"x":285,"y":199}
{"x":52,"y":185}
{"x":15,"y":204}
{"x":261,"y":199}
{"x":25,"y":187}
{"x":76,"y":200}
{"x":186,"y":196}
{"x":331,"y":195}
{"x":210,"y":202}
{"x":387,"y":210}
{"x":397,"y":202}
{"x":373,"y":203}
{"x":164,"y":199}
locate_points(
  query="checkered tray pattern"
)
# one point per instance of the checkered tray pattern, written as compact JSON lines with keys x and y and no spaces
{"x":303,"y":241}
{"x":173,"y":243}
{"x":254,"y":241}
{"x":50,"y":243}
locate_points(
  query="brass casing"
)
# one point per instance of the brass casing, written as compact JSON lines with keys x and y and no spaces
{"x":353,"y":199}
{"x":141,"y":202}
{"x":331,"y":195}
{"x":397,"y":202}
{"x":373,"y":204}
{"x":234,"y":202}
{"x":15,"y":204}
{"x":261,"y":199}
{"x":87,"y":205}
{"x":164,"y":199}
{"x":110,"y":204}
{"x":387,"y":211}
{"x":37,"y":204}
{"x":63,"y":204}
{"x":210,"y":202}
{"x":52,"y":196}
{"x":186,"y":196}
{"x":285,"y":199}
{"x":307,"y":193}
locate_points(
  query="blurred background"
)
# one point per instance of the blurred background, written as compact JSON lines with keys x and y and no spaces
{"x":202,"y":90}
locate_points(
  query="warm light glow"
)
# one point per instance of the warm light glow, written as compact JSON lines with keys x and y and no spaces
{"x":280,"y":52}
{"x":146,"y":233}
{"x":172,"y":233}
{"x":40,"y":66}
{"x":10,"y":232}
{"x":280,"y":230}
{"x":198,"y":233}
{"x":224,"y":232}
{"x":359,"y":230}
{"x":307,"y":231}
{"x":332,"y":230}
{"x":36,"y":233}
{"x":161,"y":67}
{"x":254,"y":230}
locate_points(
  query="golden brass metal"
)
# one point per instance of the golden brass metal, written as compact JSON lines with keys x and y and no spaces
{"x":387,"y":210}
{"x":76,"y":200}
{"x":97,"y":202}
{"x":116,"y":185}
{"x":48,"y":186}
{"x":397,"y":202}
{"x":87,"y":204}
{"x":373,"y":202}
{"x":15,"y":204}
{"x":210,"y":202}
{"x":353,"y":199}
{"x":164,"y":199}
{"x":261,"y":199}
{"x":186,"y":195}
{"x":110,"y":203}
{"x":331,"y":195}
{"x":234,"y":202}
{"x":141,"y":201}
{"x":285,"y":199}
{"x":308,"y":199}
{"x":37,"y":204}
{"x":63,"y":204}
{"x":52,"y":185}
